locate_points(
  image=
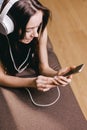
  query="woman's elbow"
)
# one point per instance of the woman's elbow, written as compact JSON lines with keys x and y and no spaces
{"x":43,"y":69}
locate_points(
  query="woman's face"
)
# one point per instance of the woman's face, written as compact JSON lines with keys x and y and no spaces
{"x":32,"y":27}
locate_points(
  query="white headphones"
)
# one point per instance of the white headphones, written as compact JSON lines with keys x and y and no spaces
{"x":6,"y":23}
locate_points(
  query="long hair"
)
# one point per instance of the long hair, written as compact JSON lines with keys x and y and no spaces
{"x":21,"y":13}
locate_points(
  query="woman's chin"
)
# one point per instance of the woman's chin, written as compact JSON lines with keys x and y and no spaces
{"x":26,"y":41}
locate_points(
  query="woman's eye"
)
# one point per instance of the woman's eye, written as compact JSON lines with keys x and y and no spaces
{"x":28,"y":31}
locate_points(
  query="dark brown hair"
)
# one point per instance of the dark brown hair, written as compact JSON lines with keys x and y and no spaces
{"x":22,"y":11}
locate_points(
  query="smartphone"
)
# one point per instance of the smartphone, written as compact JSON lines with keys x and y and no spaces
{"x":75,"y":70}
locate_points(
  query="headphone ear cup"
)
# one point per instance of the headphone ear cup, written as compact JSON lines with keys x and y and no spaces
{"x":6,"y":25}
{"x":2,"y":29}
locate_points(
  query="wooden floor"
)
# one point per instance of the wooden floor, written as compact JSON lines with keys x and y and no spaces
{"x":68,"y":33}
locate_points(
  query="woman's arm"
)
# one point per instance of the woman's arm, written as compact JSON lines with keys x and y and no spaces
{"x":13,"y":81}
{"x":45,"y":69}
{"x":41,"y":83}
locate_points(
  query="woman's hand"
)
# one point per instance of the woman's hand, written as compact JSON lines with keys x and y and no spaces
{"x":62,"y":80}
{"x":65,"y":70}
{"x":44,"y":83}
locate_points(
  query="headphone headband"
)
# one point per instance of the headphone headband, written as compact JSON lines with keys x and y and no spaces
{"x":6,"y":23}
{"x":7,"y":8}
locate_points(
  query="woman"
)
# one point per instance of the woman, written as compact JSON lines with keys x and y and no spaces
{"x":26,"y":47}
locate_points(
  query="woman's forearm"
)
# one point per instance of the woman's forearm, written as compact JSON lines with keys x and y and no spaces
{"x":48,"y":71}
{"x":12,"y":81}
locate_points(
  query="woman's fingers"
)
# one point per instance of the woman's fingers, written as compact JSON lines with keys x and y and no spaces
{"x":46,"y":80}
{"x":43,"y":89}
{"x":62,"y":80}
{"x":65,"y":70}
{"x":46,"y":83}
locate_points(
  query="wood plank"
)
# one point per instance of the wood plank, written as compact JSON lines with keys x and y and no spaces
{"x":68,"y":33}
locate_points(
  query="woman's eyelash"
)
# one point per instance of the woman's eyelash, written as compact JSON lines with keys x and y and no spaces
{"x":28,"y":30}
{"x":38,"y":28}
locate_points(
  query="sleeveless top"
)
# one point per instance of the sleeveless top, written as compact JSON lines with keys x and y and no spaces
{"x":19,"y":52}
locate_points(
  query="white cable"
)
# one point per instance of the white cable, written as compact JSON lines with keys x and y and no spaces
{"x":19,"y":68}
{"x":43,"y":105}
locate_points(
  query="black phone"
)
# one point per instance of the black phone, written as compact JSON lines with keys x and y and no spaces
{"x":75,"y":70}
